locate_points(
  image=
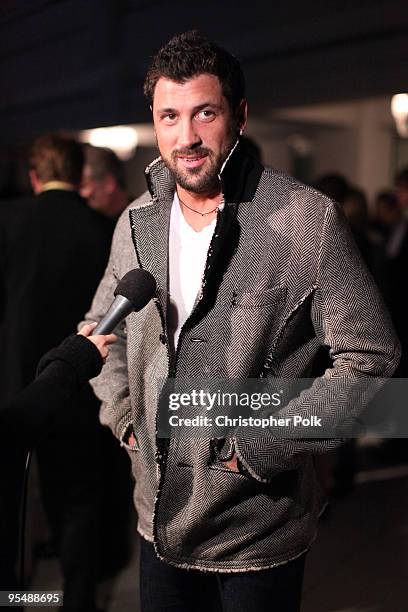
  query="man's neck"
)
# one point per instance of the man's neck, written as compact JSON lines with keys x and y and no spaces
{"x":200,"y":201}
{"x":56,"y":185}
{"x":199,"y":210}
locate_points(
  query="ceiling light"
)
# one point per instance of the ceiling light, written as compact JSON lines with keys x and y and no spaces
{"x":399,"y":109}
{"x":122,"y":139}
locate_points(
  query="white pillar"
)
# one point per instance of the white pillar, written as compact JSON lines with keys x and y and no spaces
{"x":374,"y":143}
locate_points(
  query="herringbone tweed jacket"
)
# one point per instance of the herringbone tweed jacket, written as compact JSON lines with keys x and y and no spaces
{"x":282,"y":278}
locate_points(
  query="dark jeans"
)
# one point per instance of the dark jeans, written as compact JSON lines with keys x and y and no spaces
{"x":164,"y":588}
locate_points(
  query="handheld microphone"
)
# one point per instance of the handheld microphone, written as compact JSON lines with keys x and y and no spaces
{"x":133,"y":292}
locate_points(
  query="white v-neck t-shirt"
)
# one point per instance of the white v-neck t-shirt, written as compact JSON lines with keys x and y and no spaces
{"x":187,"y":257}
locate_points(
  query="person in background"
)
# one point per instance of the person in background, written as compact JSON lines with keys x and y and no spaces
{"x":45,"y":240}
{"x":31,"y":414}
{"x":387,"y":214}
{"x":103,"y":182}
{"x":356,"y":210}
{"x":395,"y":450}
{"x":334,"y":185}
{"x":54,"y":250}
{"x":398,"y":241}
{"x":397,"y":254}
{"x":103,"y":186}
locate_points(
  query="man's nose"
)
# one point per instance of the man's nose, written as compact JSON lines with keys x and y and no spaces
{"x":188,"y":136}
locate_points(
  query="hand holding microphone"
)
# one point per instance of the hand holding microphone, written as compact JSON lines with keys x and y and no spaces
{"x":101,"y":342}
{"x":133,"y":292}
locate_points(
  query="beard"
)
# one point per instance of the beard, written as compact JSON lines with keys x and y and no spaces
{"x":203,"y":179}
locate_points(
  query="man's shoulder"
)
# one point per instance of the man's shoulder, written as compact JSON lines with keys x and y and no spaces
{"x":123,"y":221}
{"x":122,"y":238}
{"x":297,"y":194}
{"x":143,"y":200}
{"x":53,"y":204}
{"x":17,"y":214}
{"x":15,"y":205}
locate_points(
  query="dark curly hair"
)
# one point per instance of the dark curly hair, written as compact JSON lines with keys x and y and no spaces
{"x":190,"y":54}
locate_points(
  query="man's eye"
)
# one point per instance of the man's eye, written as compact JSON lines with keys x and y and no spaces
{"x":206,"y":115}
{"x":169,"y":118}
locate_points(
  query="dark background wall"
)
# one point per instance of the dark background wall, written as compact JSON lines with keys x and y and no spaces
{"x":80,"y":64}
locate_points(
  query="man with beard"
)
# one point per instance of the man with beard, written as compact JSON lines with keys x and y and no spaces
{"x":246,"y":262}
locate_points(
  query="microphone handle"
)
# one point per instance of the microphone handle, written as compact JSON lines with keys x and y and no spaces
{"x":118,"y":310}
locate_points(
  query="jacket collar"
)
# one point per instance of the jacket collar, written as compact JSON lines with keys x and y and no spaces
{"x":239,"y":177}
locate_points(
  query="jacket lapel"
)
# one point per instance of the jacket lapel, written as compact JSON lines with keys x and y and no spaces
{"x":150,"y":233}
{"x":150,"y":228}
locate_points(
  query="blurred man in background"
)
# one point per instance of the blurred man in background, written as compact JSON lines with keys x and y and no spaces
{"x":397,"y":253}
{"x":45,"y":241}
{"x":54,"y":250}
{"x":103,"y":182}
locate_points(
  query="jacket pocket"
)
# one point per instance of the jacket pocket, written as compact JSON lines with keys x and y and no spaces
{"x":258,"y":299}
{"x":250,"y":329}
{"x":219,"y":466}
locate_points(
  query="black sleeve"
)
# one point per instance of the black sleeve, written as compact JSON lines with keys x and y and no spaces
{"x":61,"y":372}
{"x":78,"y":352}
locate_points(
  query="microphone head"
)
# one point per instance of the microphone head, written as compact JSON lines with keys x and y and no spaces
{"x":138,"y":286}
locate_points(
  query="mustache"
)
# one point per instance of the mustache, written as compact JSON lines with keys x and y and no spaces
{"x":191,"y":152}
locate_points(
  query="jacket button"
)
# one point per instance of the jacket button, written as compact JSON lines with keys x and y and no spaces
{"x":163,"y":339}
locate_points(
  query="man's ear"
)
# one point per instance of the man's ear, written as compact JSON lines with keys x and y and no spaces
{"x":241,"y":114}
{"x":151,"y":109}
{"x":35,"y":181}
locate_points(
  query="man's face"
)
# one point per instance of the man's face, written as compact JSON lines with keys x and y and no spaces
{"x":94,"y":191}
{"x":195,"y":130}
